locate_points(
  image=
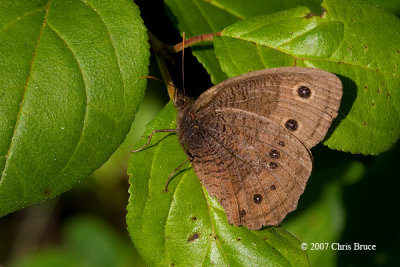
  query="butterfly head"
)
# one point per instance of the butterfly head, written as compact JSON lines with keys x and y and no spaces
{"x":181,"y":101}
{"x":186,"y":122}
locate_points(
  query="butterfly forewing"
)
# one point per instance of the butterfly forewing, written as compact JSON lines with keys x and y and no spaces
{"x":302,"y":100}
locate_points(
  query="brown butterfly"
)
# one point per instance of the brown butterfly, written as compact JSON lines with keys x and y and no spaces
{"x":249,"y":138}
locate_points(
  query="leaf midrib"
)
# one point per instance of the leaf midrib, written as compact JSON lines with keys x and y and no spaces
{"x":20,"y":18}
{"x":86,"y":98}
{"x":227,"y":10}
{"x":114,"y":53}
{"x":311,"y":59}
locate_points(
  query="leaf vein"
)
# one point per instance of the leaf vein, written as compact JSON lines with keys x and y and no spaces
{"x":315,"y":59}
{"x":201,"y":11}
{"x":22,"y":101}
{"x":259,"y":53}
{"x":115,"y":54}
{"x":86,"y":96}
{"x":19,"y":19}
{"x":231,"y":58}
{"x":227,"y":10}
{"x":213,"y":228}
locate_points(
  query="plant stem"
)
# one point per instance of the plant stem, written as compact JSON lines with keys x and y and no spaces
{"x":159,"y":47}
{"x":166,"y":75}
{"x":162,"y":51}
{"x":191,"y":41}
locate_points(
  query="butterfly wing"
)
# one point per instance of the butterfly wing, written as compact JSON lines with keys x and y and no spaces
{"x":255,"y":168}
{"x":251,"y":138}
{"x":302,"y":100}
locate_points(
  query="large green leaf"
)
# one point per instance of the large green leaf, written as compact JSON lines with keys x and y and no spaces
{"x":356,"y":40}
{"x":196,"y":17}
{"x":69,"y":81}
{"x":184,"y":226}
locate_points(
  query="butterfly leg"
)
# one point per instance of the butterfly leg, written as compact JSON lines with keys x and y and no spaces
{"x":151,"y":135}
{"x":173,"y":173}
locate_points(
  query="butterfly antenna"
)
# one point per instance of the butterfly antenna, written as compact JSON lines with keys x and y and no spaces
{"x":183,"y":62}
{"x":158,"y":80}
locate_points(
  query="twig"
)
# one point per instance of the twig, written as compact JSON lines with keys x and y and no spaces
{"x":162,"y":52}
{"x":159,"y":47}
{"x":191,"y":41}
{"x":166,"y":75}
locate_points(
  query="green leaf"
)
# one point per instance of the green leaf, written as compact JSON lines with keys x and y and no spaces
{"x":86,"y":241}
{"x":326,"y":212}
{"x":184,"y":226}
{"x":70,"y":87}
{"x":389,"y":5}
{"x":96,"y":243}
{"x":356,"y":40}
{"x":196,"y":17}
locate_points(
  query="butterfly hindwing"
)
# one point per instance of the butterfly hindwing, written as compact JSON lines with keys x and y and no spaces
{"x":253,"y":166}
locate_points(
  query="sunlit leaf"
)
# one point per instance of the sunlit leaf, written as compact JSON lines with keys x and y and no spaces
{"x":69,"y":81}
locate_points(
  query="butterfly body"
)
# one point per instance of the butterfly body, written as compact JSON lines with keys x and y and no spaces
{"x":249,"y":137}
